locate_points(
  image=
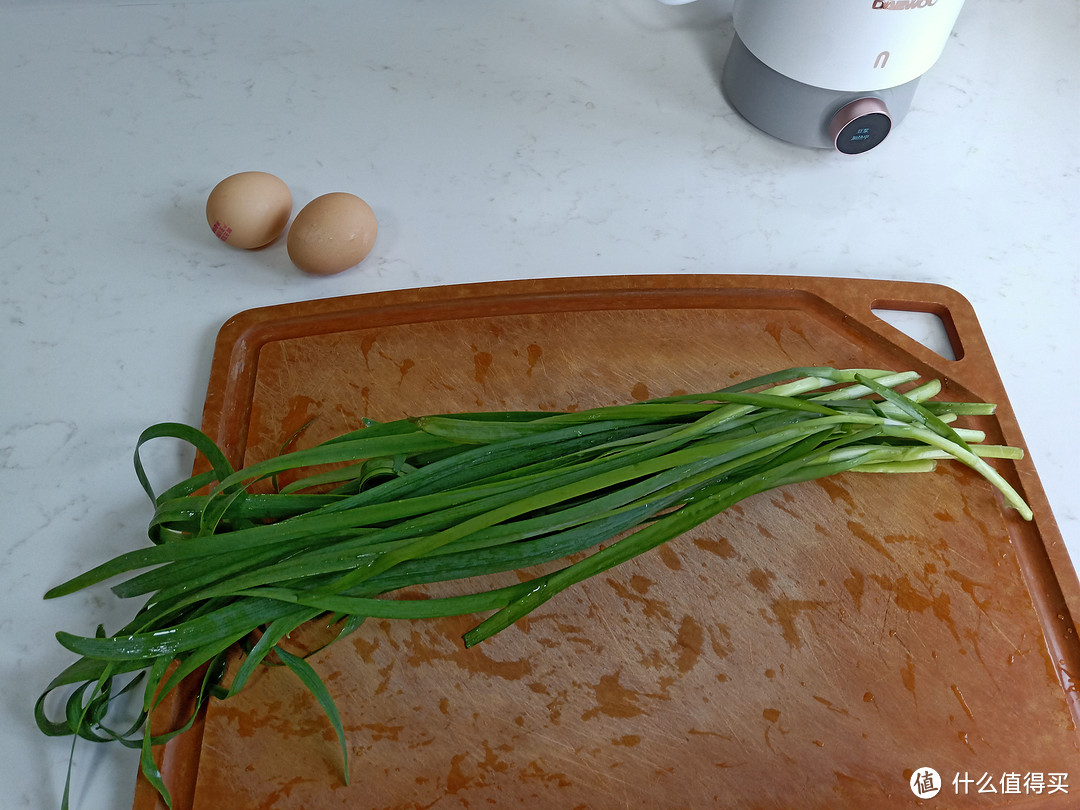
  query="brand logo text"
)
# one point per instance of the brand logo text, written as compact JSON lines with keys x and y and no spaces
{"x":903,"y":5}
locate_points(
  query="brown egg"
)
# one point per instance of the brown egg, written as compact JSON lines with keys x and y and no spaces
{"x":332,"y":233}
{"x":249,"y":209}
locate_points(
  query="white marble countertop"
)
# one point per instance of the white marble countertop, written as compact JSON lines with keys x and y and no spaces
{"x":494,"y":141}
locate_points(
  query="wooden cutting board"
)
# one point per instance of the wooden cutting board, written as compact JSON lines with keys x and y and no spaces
{"x":813,"y":647}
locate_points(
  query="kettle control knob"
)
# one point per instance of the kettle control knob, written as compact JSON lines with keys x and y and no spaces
{"x":859,"y":126}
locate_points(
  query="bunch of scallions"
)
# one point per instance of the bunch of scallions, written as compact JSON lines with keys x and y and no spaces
{"x":238,"y":561}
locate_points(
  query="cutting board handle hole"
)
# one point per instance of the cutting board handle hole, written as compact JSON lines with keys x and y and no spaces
{"x":934,"y":328}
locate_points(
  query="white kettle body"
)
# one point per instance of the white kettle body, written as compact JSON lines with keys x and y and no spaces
{"x":833,"y":73}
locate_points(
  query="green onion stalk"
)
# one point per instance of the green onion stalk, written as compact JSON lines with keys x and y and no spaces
{"x":237,"y":561}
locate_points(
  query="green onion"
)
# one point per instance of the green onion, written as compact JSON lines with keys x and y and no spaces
{"x":454,"y":497}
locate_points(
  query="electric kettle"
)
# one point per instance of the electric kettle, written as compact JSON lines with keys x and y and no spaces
{"x":832,"y":73}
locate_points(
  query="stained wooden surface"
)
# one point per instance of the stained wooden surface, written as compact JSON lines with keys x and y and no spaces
{"x":809,"y":648}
